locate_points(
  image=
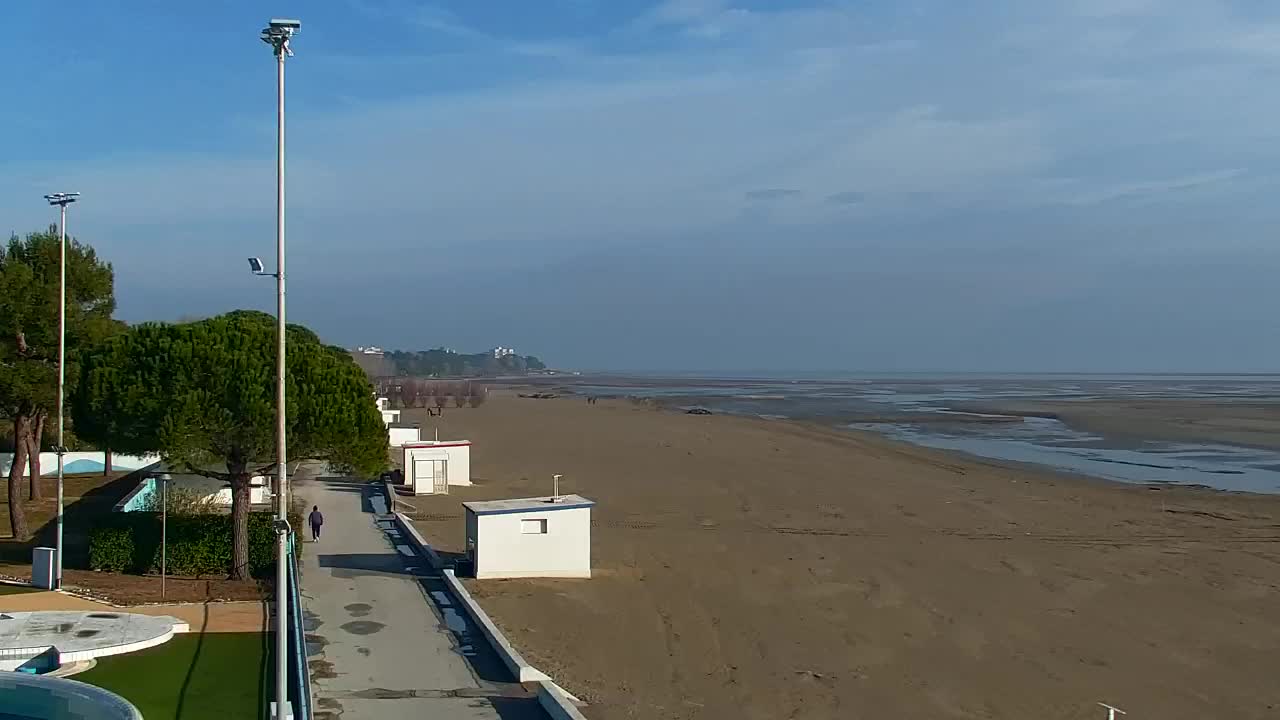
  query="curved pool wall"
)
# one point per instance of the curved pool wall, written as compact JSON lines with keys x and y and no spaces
{"x":40,"y":697}
{"x":137,"y":499}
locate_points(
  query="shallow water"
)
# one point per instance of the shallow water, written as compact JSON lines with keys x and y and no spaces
{"x":1035,"y":440}
{"x":1049,"y":442}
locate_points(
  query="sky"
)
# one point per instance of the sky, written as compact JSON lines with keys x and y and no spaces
{"x":717,"y":185}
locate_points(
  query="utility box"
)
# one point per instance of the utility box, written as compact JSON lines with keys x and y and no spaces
{"x":431,"y":466}
{"x":541,"y":537}
{"x":43,"y":562}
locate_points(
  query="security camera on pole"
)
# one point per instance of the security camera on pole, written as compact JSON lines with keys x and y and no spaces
{"x":277,"y":35}
{"x":62,"y":200}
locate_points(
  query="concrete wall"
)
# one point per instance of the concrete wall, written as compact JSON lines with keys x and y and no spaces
{"x":214,"y":491}
{"x":81,"y":462}
{"x":506,"y":549}
{"x":555,"y":702}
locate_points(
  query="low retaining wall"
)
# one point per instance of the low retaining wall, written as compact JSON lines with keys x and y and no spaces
{"x":557,"y":704}
{"x":406,"y":526}
{"x":554,"y":699}
{"x":523,"y":671}
{"x":81,"y":462}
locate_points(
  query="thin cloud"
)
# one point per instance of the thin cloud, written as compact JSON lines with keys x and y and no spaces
{"x":771,"y":194}
{"x":849,"y":197}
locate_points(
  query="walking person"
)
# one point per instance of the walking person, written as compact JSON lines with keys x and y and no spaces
{"x":316,"y":520}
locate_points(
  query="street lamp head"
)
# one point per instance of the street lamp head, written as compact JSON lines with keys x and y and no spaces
{"x":62,"y":198}
{"x":277,"y":34}
{"x":255,"y":265}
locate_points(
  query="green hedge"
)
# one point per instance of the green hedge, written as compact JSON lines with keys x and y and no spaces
{"x":198,"y":545}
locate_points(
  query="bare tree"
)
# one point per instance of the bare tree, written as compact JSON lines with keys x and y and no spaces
{"x":477,"y":395}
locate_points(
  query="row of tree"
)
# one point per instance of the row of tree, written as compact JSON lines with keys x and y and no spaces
{"x":446,"y":363}
{"x":202,"y":394}
{"x":409,"y":392}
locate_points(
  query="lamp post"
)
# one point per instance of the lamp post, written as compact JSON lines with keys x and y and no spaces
{"x":164,"y":479}
{"x":277,"y":35}
{"x":62,"y":200}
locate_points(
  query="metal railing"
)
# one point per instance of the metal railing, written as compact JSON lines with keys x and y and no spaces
{"x":300,"y":682}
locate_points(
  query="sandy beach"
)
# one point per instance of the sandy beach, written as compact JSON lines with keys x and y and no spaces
{"x":759,"y":569}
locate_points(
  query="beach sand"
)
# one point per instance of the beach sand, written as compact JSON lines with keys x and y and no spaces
{"x":754,"y":569}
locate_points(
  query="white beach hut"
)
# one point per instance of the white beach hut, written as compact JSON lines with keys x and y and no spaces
{"x":530,"y":537}
{"x":431,"y":466}
{"x":400,"y":435}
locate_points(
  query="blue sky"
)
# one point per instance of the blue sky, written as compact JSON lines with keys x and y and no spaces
{"x":689,"y":184}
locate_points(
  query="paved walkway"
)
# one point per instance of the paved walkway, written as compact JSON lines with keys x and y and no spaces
{"x":380,"y":648}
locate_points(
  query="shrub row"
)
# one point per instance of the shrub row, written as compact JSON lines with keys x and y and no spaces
{"x":198,"y":545}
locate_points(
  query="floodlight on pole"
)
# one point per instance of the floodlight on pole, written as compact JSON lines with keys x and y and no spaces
{"x":257,"y":268}
{"x":62,"y":200}
{"x":277,"y":34}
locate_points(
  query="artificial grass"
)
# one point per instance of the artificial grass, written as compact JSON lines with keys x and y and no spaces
{"x":6,"y":589}
{"x":195,"y":676}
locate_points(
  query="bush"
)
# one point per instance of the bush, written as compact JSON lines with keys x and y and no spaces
{"x":198,"y":545}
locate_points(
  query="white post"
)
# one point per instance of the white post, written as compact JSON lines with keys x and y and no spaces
{"x":164,"y":532}
{"x":282,"y":487}
{"x":62,"y":365}
{"x":555,"y":487}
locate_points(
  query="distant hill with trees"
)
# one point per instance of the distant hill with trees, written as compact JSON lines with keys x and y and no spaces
{"x":445,"y":363}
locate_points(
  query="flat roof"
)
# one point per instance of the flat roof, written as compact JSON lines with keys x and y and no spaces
{"x":436,"y":443}
{"x":534,"y":504}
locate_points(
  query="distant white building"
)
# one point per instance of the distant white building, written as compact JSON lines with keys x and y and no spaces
{"x":371,"y":350}
{"x":501,"y":352}
{"x":530,"y":537}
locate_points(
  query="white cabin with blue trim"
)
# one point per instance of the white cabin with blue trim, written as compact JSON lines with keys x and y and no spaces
{"x":546,"y":537}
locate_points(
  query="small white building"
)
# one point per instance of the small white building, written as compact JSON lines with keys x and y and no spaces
{"x":431,"y":466}
{"x":400,"y":435}
{"x":383,"y":403}
{"x":530,"y":537}
{"x":390,"y":417}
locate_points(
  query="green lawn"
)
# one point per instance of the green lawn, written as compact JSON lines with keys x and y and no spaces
{"x":6,"y":589}
{"x":209,"y":676}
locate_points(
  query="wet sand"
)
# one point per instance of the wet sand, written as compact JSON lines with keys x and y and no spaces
{"x":1253,"y":424}
{"x":754,"y":569}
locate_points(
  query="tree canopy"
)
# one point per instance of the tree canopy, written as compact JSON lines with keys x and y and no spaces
{"x":29,"y":293}
{"x":445,"y":363}
{"x":202,"y":394}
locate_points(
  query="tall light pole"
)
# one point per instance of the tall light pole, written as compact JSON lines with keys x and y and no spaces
{"x":62,"y":200}
{"x":277,"y":35}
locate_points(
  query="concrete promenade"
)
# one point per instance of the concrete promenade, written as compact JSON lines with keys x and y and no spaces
{"x":384,"y":643}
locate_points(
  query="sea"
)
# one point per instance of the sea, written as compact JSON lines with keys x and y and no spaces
{"x":914,"y":409}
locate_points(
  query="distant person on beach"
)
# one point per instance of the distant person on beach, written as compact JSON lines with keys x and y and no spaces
{"x":316,"y":520}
